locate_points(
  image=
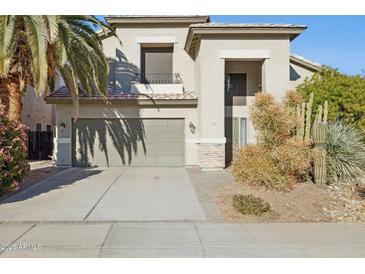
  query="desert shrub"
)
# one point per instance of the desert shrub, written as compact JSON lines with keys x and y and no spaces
{"x":249,"y":204}
{"x":280,"y":159}
{"x":13,"y":151}
{"x":255,"y":166}
{"x":345,"y":151}
{"x":293,"y":158}
{"x":273,"y":121}
{"x":292,"y":99}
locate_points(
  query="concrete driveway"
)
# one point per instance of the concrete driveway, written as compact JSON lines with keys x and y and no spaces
{"x":110,"y":194}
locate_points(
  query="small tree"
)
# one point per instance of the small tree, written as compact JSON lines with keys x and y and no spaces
{"x":345,"y":95}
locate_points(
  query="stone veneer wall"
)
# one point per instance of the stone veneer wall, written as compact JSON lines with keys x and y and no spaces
{"x":211,"y":156}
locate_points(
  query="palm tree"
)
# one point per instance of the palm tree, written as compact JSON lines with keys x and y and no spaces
{"x":33,"y":49}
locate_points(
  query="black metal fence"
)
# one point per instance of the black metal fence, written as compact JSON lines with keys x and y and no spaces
{"x":40,"y":145}
{"x":157,"y":78}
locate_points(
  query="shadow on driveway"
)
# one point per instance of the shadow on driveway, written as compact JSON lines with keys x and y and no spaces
{"x":56,"y":181}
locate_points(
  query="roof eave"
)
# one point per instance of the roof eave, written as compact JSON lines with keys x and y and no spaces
{"x":195,"y":33}
{"x":157,"y":19}
{"x":310,"y":66}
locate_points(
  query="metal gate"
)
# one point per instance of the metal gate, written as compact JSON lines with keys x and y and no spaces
{"x":40,"y":145}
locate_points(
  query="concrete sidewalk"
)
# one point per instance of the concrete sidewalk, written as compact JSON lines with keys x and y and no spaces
{"x":185,"y":239}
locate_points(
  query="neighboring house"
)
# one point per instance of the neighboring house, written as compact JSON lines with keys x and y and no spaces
{"x":180,"y":92}
{"x":300,"y":69}
{"x":37,"y":115}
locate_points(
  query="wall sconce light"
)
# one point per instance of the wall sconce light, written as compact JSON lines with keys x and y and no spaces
{"x":192,"y":128}
{"x":62,"y":126}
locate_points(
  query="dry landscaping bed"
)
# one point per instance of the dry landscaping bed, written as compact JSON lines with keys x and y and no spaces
{"x":350,"y":201}
{"x":305,"y":203}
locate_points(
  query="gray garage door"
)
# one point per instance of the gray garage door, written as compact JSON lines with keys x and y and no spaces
{"x":124,"y":142}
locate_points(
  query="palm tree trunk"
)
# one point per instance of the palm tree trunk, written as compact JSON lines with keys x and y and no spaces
{"x":11,"y":98}
{"x":15,"y":101}
{"x":4,"y":96}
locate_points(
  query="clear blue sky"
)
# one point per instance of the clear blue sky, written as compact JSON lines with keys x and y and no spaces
{"x":337,"y":41}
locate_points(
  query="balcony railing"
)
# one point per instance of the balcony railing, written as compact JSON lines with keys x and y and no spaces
{"x":157,"y":78}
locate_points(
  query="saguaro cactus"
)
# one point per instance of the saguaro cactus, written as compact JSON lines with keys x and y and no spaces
{"x":322,"y":113}
{"x":319,"y":151}
{"x":304,"y":114}
{"x":304,"y":117}
{"x":325,"y":112}
{"x":308,"y":116}
{"x":303,"y":131}
{"x":300,"y":120}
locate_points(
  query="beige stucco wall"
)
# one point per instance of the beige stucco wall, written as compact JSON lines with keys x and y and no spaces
{"x":118,"y":110}
{"x":298,"y":74}
{"x":36,"y":111}
{"x":131,"y":48}
{"x":275,"y":75}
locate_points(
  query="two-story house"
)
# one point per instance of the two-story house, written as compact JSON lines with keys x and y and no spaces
{"x":180,"y":92}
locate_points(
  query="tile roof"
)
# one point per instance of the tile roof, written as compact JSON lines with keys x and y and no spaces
{"x":198,"y":30}
{"x":157,"y":19}
{"x":305,"y":60}
{"x":155,"y":16}
{"x":246,"y":25}
{"x":64,"y":93}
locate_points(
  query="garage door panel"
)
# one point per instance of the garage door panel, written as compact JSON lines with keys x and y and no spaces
{"x":164,"y":136}
{"x":135,"y":142}
{"x":167,"y":149}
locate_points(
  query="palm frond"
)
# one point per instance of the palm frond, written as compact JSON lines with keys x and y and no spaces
{"x":7,"y":45}
{"x":35,"y":48}
{"x":37,"y":38}
{"x":52,"y":27}
{"x":85,"y":55}
{"x":71,"y":82}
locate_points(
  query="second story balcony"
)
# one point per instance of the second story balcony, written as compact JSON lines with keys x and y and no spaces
{"x":156,"y":83}
{"x":157,"y":78}
{"x":155,"y":73}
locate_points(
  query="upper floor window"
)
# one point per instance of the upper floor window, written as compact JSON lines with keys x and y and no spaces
{"x":156,"y":65}
{"x":235,"y":89}
{"x":236,"y":84}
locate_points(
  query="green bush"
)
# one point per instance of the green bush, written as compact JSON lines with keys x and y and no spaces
{"x":345,"y":95}
{"x":345,"y":151}
{"x":13,"y":152}
{"x":249,"y":204}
